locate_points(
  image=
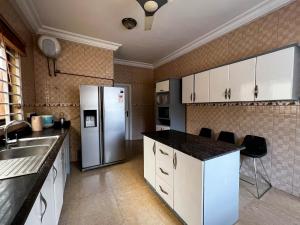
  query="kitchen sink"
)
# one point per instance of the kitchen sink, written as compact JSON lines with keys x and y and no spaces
{"x":24,"y":142}
{"x":25,"y":157}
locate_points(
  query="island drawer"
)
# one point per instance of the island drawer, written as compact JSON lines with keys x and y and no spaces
{"x":165,"y":172}
{"x":164,"y":155}
{"x":165,"y":191}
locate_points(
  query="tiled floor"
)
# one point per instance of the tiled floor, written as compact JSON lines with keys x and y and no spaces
{"x":118,"y":195}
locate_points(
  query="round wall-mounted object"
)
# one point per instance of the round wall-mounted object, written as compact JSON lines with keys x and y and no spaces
{"x":49,"y":46}
{"x":129,"y":23}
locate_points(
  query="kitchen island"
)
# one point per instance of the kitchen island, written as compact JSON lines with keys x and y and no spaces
{"x":196,"y":176}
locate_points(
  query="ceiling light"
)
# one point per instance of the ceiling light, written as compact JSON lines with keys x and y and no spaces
{"x":151,"y":6}
{"x":129,"y":23}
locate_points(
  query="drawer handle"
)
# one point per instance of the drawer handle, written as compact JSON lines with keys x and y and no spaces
{"x":163,"y":191}
{"x":43,"y":200}
{"x":55,"y":174}
{"x":164,"y":172}
{"x":162,"y":152}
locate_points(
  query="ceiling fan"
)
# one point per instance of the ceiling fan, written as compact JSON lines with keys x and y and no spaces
{"x":150,"y":7}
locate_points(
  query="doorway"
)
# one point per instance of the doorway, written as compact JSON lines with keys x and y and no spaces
{"x":128,"y":110}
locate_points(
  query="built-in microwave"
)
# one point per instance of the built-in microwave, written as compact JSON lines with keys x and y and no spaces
{"x":163,"y":113}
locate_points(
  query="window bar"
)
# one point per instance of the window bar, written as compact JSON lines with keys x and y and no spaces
{"x":6,"y":96}
{"x":13,"y":84}
{"x":10,"y":93}
{"x":12,"y":55}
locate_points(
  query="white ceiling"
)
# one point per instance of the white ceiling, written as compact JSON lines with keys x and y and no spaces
{"x":176,"y":24}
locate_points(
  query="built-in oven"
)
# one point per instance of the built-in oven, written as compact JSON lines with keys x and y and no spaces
{"x":163,"y":113}
{"x":162,"y":98}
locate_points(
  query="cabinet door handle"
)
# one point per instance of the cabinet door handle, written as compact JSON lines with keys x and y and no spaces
{"x":43,"y":200}
{"x":175,"y":160}
{"x":194,"y":96}
{"x":226,"y":93}
{"x":164,"y":172}
{"x":55,"y":174}
{"x":162,"y":152}
{"x":256,"y":91}
{"x":153,"y":148}
{"x":229,"y":93}
{"x":191,"y":97}
{"x":162,"y":190}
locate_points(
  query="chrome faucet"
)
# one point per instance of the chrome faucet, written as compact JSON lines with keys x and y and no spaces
{"x":13,"y":122}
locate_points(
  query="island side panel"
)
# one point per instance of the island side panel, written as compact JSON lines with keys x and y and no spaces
{"x":221,"y":190}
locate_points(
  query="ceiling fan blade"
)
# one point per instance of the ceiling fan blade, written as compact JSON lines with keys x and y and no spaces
{"x":148,"y":22}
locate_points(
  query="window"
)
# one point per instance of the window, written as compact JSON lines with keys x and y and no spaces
{"x":10,"y":85}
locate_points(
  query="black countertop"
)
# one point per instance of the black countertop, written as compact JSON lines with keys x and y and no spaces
{"x":17,"y":195}
{"x":198,"y":147}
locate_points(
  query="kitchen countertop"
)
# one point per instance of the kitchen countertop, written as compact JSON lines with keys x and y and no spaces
{"x":198,"y":147}
{"x":17,"y":195}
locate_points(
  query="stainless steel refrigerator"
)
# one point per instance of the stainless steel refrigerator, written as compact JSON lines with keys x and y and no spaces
{"x":102,"y":117}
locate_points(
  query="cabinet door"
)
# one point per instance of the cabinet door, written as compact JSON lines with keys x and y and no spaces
{"x":274,"y":75}
{"x":187,"y":89}
{"x":218,"y":84}
{"x":34,"y":217}
{"x":47,"y":201}
{"x":149,"y":160}
{"x":188,"y":188}
{"x":163,"y":86}
{"x":202,"y":87}
{"x":58,"y":179}
{"x":242,"y":80}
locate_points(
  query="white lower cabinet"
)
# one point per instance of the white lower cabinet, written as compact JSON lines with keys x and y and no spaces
{"x":34,"y":217}
{"x":48,"y":204}
{"x":58,"y":181}
{"x":149,"y":160}
{"x":46,"y":200}
{"x":188,"y":188}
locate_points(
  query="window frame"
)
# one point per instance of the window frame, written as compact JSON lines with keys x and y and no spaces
{"x":11,"y":84}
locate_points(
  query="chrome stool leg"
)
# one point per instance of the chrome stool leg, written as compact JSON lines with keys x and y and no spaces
{"x":268,"y":181}
{"x":255,"y":172}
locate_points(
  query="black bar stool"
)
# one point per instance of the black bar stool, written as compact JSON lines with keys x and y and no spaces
{"x":256,"y":148}
{"x":226,"y":137}
{"x":205,"y":132}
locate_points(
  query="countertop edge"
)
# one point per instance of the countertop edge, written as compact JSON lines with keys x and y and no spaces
{"x":237,"y":148}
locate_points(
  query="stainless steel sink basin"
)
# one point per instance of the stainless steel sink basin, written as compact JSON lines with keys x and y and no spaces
{"x":23,"y":152}
{"x":24,"y":142}
{"x":25,"y":157}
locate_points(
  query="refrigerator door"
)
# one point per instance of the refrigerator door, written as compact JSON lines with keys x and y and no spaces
{"x":113,"y":124}
{"x":89,"y":121}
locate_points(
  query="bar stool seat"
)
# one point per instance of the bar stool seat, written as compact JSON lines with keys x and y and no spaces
{"x":226,"y":136}
{"x":256,"y":148}
{"x":205,"y":132}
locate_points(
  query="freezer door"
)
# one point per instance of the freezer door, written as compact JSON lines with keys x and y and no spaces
{"x":113,"y":124}
{"x":89,"y":121}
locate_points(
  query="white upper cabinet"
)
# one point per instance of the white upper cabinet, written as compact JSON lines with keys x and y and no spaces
{"x":163,"y":86}
{"x":188,"y":89}
{"x":275,"y":76}
{"x":219,"y":84}
{"x":202,"y":87}
{"x":242,"y":81}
